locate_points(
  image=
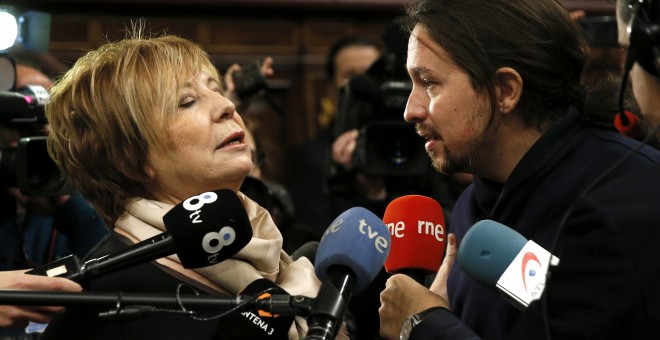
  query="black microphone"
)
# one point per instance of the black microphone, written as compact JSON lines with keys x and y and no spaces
{"x":203,"y":230}
{"x":351,"y":253}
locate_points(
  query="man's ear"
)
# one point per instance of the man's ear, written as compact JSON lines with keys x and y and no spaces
{"x":509,"y":86}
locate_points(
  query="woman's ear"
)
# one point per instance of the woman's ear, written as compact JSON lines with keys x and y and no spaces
{"x":509,"y":86}
{"x":149,"y":171}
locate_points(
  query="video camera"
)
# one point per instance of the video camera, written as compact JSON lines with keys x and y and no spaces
{"x":374,"y":103}
{"x":249,"y":82}
{"x":28,"y":165}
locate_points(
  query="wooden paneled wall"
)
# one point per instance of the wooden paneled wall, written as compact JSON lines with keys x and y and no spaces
{"x":296,"y":33}
{"x":298,"y":44}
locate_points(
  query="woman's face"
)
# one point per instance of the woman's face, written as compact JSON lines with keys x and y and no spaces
{"x":209,"y":149}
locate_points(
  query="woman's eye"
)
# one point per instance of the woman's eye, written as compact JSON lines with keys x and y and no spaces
{"x":186,"y":103}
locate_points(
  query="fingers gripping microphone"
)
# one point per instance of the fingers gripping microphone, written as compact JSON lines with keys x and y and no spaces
{"x":496,"y":255}
{"x":202,"y":230}
{"x":350,"y":254}
{"x":417,"y":226}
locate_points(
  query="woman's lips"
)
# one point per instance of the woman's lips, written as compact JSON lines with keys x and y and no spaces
{"x":234,"y":138}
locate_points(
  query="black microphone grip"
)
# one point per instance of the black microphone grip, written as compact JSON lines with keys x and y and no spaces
{"x":330,"y":303}
{"x":148,"y":250}
{"x":276,"y":304}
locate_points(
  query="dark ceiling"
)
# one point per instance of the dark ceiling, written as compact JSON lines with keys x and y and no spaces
{"x":153,"y":7}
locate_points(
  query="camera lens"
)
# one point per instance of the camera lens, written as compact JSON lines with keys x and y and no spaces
{"x":397,"y":144}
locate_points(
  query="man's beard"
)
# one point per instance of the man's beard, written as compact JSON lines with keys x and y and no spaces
{"x":449,"y":163}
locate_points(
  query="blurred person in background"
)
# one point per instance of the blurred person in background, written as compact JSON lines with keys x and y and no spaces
{"x":38,"y":229}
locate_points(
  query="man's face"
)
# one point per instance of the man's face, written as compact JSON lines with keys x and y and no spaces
{"x":450,"y":115}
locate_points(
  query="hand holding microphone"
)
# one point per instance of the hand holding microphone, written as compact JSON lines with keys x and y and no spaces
{"x":403,"y":297}
{"x":18,"y":317}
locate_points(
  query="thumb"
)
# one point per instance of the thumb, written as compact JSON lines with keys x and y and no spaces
{"x":439,"y":285}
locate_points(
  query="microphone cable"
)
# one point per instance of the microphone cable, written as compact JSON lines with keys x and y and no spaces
{"x":121,"y":312}
{"x":256,"y":297}
{"x":608,"y":171}
{"x":133,"y":312}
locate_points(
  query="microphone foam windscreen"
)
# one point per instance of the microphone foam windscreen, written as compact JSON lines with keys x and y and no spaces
{"x":208,"y":228}
{"x":487,"y":249}
{"x":356,"y":239}
{"x":417,"y":227}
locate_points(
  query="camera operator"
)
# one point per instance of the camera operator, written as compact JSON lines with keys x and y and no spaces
{"x":35,"y":230}
{"x":307,"y":179}
{"x":377,"y":155}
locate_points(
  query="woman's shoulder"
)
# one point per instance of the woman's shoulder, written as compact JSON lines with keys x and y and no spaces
{"x":85,"y":322}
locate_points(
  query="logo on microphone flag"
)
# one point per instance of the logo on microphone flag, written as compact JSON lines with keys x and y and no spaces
{"x":524,"y":278}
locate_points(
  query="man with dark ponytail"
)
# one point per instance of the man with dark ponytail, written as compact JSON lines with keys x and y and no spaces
{"x":497,"y":93}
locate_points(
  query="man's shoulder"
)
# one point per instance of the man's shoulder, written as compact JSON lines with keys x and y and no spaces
{"x":620,"y":145}
{"x":639,"y":185}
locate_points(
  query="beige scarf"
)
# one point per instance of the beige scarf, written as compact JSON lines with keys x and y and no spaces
{"x":262,"y":257}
